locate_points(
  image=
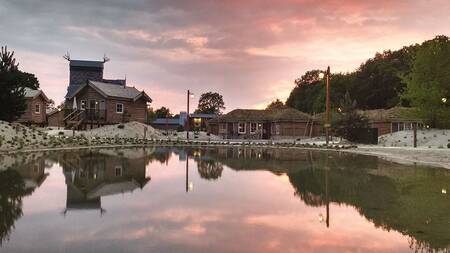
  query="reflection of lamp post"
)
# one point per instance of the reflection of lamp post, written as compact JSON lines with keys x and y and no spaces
{"x":189,"y":95}
{"x":327,"y":122}
{"x":189,"y":185}
{"x":327,"y":199}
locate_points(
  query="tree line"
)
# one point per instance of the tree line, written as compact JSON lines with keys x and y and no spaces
{"x":413,"y":76}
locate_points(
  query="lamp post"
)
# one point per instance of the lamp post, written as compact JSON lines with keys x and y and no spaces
{"x":59,"y":116}
{"x":189,"y":95}
{"x":327,"y":113}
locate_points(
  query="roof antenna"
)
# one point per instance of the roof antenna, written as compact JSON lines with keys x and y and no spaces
{"x":67,"y":56}
{"x":105,"y":58}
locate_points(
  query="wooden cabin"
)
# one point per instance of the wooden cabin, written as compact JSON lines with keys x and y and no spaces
{"x":100,"y":103}
{"x":92,"y":101}
{"x":35,"y":112}
{"x":264,"y":124}
{"x":393,"y":120}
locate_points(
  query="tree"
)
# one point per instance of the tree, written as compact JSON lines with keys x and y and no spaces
{"x":151,"y":114}
{"x":210,"y":103}
{"x":163,"y":112}
{"x":376,"y":84}
{"x":428,"y":83}
{"x":12,"y":86}
{"x":276,"y":105}
{"x":348,"y":118}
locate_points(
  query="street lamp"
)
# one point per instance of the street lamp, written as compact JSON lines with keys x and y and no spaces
{"x":189,"y":95}
{"x":444,"y":100}
{"x":328,"y":120}
{"x":59,"y":117}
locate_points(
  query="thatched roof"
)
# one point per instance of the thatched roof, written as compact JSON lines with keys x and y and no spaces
{"x":287,"y":114}
{"x":392,"y":114}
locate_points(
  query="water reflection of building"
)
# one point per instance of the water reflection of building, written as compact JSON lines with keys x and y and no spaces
{"x":93,"y":175}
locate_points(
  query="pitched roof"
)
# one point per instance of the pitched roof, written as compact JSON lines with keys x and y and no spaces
{"x":164,"y":121}
{"x":31,"y":93}
{"x":84,"y":63}
{"x":394,"y":113}
{"x":203,"y":115}
{"x":113,"y":90}
{"x":287,"y":114}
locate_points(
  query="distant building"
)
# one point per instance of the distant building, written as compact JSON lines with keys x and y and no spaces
{"x":92,"y":100}
{"x":197,"y":122}
{"x":35,"y":112}
{"x":264,"y":124}
{"x":393,"y":120}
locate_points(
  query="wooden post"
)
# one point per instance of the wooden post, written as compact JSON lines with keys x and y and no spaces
{"x":145,"y":133}
{"x":327,"y":125}
{"x":187,"y":116}
{"x":415,"y":135}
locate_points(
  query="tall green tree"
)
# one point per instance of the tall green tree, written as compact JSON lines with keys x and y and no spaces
{"x":210,"y":103}
{"x":163,"y":112}
{"x":12,"y":86}
{"x":276,"y":105}
{"x":428,"y":83}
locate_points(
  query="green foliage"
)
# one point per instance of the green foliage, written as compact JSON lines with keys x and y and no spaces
{"x":429,"y":81}
{"x":275,"y":105}
{"x":163,"y":112}
{"x":151,"y":115}
{"x":375,"y":84}
{"x":12,"y":86}
{"x":210,"y":103}
{"x":348,"y":118}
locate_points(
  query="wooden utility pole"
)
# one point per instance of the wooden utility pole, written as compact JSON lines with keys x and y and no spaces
{"x":328,"y":123}
{"x":187,"y":115}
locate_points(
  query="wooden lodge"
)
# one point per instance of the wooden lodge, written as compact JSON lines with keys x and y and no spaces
{"x":36,"y":105}
{"x":99,"y":103}
{"x":264,"y":124}
{"x":93,"y":101}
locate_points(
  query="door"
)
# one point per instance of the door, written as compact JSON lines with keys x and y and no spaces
{"x":266,"y":131}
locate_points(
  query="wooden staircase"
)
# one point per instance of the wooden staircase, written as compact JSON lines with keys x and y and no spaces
{"x":74,"y":119}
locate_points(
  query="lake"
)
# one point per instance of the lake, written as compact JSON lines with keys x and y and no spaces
{"x":168,"y":199}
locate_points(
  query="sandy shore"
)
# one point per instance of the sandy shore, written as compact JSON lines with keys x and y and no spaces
{"x":438,"y":157}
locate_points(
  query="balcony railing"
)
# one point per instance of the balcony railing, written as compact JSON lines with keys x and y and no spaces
{"x":85,"y":115}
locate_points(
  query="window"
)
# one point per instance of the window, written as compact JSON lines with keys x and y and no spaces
{"x":83,"y":104}
{"x":253,"y":127}
{"x":241,"y":127}
{"x":118,"y":171}
{"x":119,"y":108}
{"x":37,"y":108}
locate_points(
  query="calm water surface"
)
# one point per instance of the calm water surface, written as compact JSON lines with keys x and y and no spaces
{"x":220,"y":200}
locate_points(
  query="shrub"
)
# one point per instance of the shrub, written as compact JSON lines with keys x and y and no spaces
{"x":121,"y":126}
{"x":448,"y":145}
{"x":180,"y":128}
{"x":60,"y":133}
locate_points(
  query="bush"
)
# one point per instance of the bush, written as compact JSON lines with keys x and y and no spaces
{"x":448,"y":145}
{"x":121,"y":126}
{"x":180,"y":128}
{"x":60,"y":133}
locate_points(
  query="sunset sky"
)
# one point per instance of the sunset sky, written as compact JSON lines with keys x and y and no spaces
{"x":249,"y":51}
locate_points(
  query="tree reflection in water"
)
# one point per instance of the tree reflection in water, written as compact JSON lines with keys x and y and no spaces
{"x":391,"y":196}
{"x":406,"y":199}
{"x":15,"y":184}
